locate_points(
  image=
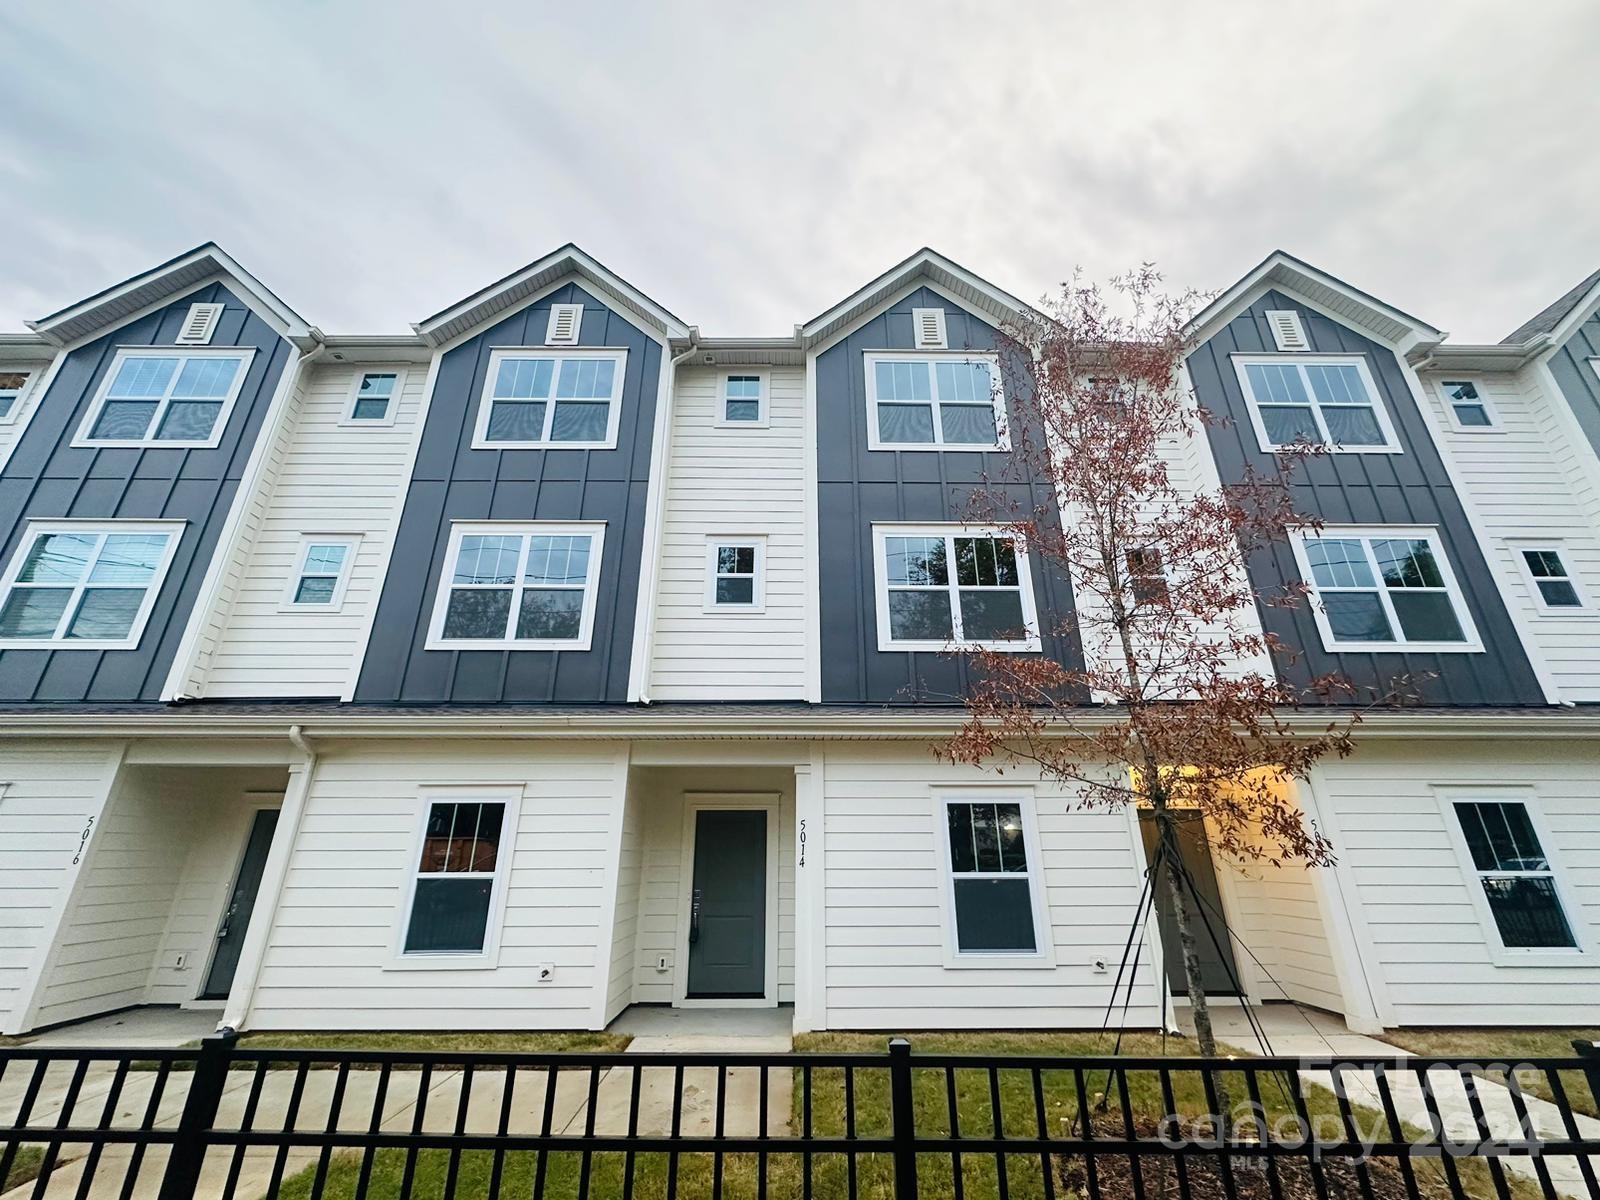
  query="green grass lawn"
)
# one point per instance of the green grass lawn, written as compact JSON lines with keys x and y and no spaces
{"x":1501,"y":1045}
{"x":24,"y":1168}
{"x":874,"y":1179}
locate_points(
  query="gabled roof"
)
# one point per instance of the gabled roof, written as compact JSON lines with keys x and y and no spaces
{"x":1550,"y":319}
{"x":175,"y":276}
{"x":927,"y":264}
{"x":536,"y":277}
{"x":1281,"y":269}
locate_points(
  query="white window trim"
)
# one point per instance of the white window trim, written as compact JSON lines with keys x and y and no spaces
{"x":480,"y":430}
{"x":1495,"y":425}
{"x":596,"y":530}
{"x":1044,"y":957}
{"x":764,"y":412}
{"x":881,"y":531}
{"x":509,"y":794}
{"x":247,"y":353}
{"x":1391,"y":443}
{"x":101,"y":526}
{"x":1535,"y":596}
{"x":350,"y":418}
{"x":756,"y":542}
{"x":30,"y":378}
{"x":1501,"y":954}
{"x":1472,"y":645}
{"x":351,"y":543}
{"x":1002,"y":436}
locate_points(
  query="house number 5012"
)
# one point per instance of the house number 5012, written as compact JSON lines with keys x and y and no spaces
{"x":802,"y":837}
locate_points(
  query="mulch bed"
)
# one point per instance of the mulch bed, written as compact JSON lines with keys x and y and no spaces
{"x":1251,"y":1179}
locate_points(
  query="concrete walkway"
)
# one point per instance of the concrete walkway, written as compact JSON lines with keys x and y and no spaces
{"x":154,"y":1028}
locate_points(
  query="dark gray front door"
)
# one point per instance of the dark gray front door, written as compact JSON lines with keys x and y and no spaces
{"x":728,"y":908}
{"x":1217,"y":969}
{"x":236,"y":917}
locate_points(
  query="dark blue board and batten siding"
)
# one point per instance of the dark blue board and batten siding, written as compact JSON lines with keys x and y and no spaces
{"x":1573,"y":366}
{"x":858,"y":486}
{"x":453,"y":482}
{"x":1411,"y":488}
{"x":47,"y":477}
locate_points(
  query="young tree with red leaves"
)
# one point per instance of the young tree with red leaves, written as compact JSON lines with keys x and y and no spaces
{"x":1177,"y":706}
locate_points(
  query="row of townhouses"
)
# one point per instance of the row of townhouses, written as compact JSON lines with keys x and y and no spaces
{"x":555,"y":657}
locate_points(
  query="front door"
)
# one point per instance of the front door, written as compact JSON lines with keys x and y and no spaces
{"x":1218,"y":973}
{"x":241,"y":902}
{"x":728,"y":906}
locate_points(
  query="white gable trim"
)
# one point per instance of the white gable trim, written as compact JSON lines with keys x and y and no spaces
{"x":841,"y":332}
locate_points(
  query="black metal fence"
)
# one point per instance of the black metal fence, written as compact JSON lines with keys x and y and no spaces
{"x":231,"y":1122}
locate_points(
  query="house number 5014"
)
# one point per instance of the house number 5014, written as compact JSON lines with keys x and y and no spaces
{"x":802,"y":837}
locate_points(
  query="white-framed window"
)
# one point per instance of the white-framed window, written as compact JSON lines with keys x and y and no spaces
{"x":84,"y":585}
{"x":534,"y":399}
{"x":1518,"y":891}
{"x":321,"y":573}
{"x":742,"y":400}
{"x":993,"y":885}
{"x":1384,"y":587}
{"x":922,"y":401}
{"x":1550,"y":580}
{"x":518,"y":586}
{"x":940,"y":586}
{"x":165,"y":396}
{"x":1147,"y":575}
{"x":374,"y":396}
{"x":456,"y":877}
{"x":736,"y":574}
{"x":1325,"y":399}
{"x":13,"y":388}
{"x":1468,"y":408}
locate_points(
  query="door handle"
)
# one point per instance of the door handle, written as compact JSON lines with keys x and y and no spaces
{"x":227,"y":921}
{"x":694,"y":918}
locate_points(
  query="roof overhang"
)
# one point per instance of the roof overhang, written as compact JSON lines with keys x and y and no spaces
{"x":375,"y":348}
{"x":184,"y":273}
{"x":981,"y":295}
{"x":1495,"y":357}
{"x":1332,"y":295}
{"x":503,"y":295}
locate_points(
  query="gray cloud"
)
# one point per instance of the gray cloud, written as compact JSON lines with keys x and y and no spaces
{"x":748,"y":165}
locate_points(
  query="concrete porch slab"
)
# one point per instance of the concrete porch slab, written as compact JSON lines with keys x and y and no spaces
{"x":153,"y":1028}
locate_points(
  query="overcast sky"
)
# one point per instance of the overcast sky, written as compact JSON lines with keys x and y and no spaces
{"x":748,"y":165}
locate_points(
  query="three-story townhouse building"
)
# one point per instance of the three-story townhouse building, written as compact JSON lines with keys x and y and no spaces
{"x":554,"y":658}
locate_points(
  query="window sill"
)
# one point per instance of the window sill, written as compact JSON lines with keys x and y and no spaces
{"x":443,"y":962}
{"x":734,"y":610}
{"x":484,"y":444}
{"x":502,"y":644}
{"x":939,"y":447}
{"x":1032,"y":646}
{"x":998,"y":962}
{"x":1575,"y":957}
{"x":53,"y":644}
{"x":1401,"y":647}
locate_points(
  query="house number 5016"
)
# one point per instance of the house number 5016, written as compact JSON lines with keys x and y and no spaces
{"x":83,"y":841}
{"x":802,"y":837}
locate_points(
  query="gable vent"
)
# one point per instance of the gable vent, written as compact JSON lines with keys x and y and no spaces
{"x":200,"y":324}
{"x":1287,"y":330}
{"x":565,"y":320}
{"x":929,"y":326}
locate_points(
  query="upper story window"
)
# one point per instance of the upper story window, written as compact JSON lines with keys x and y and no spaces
{"x":165,"y":398}
{"x":533,"y":399}
{"x":13,"y":386}
{"x":1147,"y":575}
{"x":736,"y":569}
{"x":934,"y":402}
{"x":1518,"y":880}
{"x":84,"y":585}
{"x":1469,"y":410}
{"x":1326,"y":400}
{"x":1384,"y":588}
{"x":321,"y":573}
{"x":374,"y":396}
{"x":1554,"y":588}
{"x":743,"y":400}
{"x":950,"y":585}
{"x":509,"y":586}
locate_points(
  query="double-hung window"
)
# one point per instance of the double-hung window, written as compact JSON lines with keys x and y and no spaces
{"x":1324,"y":400}
{"x":1550,"y":579}
{"x":536,"y":399}
{"x":743,"y":400}
{"x":950,"y":585}
{"x":13,"y":386}
{"x":1384,"y":588}
{"x":321,"y":573}
{"x":1468,"y":409}
{"x":458,"y":870}
{"x":84,"y":585}
{"x":934,"y":402}
{"x":994,"y":880}
{"x":736,"y":570}
{"x":1147,"y":576}
{"x":1518,"y":881}
{"x":165,"y":397}
{"x":373,"y":398}
{"x":511,"y":586}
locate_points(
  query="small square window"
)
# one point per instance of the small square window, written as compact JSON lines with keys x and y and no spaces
{"x":374,"y":397}
{"x":1147,"y":577}
{"x":13,"y":385}
{"x":322,"y":571}
{"x":735,"y":574}
{"x":1553,"y":587}
{"x":743,"y":400}
{"x":1469,"y":409}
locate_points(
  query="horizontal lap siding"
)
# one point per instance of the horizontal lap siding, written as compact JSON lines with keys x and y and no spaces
{"x":327,"y":963}
{"x":885,"y":924}
{"x":55,"y":787}
{"x":1424,"y":937}
{"x":329,"y":479}
{"x":23,"y":407}
{"x":732,"y":480}
{"x":1527,"y":482}
{"x":619,"y":991}
{"x":1279,"y":924}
